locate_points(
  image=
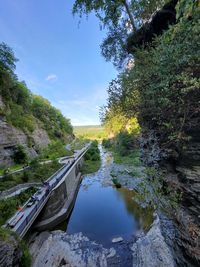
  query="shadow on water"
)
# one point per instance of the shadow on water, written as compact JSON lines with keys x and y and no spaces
{"x":104,"y":212}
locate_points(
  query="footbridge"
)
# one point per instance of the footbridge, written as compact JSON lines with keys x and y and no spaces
{"x":54,"y":200}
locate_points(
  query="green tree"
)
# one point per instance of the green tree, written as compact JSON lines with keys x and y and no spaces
{"x":7,"y":58}
{"x":162,"y":87}
{"x":120,"y":18}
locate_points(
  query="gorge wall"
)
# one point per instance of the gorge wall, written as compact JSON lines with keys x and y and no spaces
{"x":11,"y":136}
{"x":180,"y":173}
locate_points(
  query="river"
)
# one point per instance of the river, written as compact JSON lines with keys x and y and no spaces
{"x":107,"y":227}
{"x":103,"y":212}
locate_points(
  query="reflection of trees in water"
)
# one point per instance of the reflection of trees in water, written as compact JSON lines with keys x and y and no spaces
{"x":143,"y":215}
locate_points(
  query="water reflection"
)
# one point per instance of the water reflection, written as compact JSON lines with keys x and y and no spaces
{"x":143,"y":215}
{"x":104,"y":212}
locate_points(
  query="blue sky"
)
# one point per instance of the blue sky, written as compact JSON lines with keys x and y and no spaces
{"x":58,"y":58}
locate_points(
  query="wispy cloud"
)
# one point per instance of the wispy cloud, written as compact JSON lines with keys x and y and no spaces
{"x":51,"y":77}
{"x":83,"y":110}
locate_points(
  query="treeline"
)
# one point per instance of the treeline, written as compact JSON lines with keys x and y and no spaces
{"x":23,"y":109}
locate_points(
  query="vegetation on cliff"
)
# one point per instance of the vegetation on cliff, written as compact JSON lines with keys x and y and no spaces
{"x":24,"y":110}
{"x":160,"y":85}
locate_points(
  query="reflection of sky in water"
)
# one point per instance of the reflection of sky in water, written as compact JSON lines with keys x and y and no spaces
{"x":103,"y":213}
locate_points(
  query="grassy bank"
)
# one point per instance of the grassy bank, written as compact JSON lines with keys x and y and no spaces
{"x":92,"y":160}
{"x":78,"y":143}
{"x":36,"y":173}
{"x":55,"y":150}
{"x":124,"y":150}
{"x":11,"y":169}
{"x":133,"y":158}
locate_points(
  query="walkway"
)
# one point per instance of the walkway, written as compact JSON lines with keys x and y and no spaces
{"x":23,"y":219}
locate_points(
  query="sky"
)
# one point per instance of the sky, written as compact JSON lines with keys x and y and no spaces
{"x":59,"y":58}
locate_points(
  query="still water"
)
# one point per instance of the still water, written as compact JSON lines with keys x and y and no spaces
{"x":104,"y":212}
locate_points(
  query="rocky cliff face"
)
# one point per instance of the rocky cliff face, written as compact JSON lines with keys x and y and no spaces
{"x":11,"y":136}
{"x":10,"y":253}
{"x":182,"y":173}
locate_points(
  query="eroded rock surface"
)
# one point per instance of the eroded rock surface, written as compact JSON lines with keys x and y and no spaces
{"x":57,"y":248}
{"x":10,"y":137}
{"x":10,"y":252}
{"x":181,"y":173}
{"x":151,"y":250}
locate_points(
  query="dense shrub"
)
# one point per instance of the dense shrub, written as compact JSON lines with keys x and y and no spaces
{"x":162,"y":87}
{"x":36,"y":173}
{"x":124,"y":143}
{"x":93,"y":153}
{"x":92,"y":160}
{"x":26,"y":259}
{"x":107,"y":143}
{"x":20,"y":155}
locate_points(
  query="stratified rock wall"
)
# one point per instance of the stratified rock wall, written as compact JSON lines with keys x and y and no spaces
{"x":182,"y":174}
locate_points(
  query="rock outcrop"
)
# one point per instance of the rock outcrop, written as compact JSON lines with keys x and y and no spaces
{"x":10,"y":137}
{"x":57,"y":248}
{"x":181,"y":172}
{"x":151,"y":250}
{"x":10,"y":252}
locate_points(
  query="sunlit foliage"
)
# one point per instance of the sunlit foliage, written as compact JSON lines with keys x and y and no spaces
{"x":162,"y":87}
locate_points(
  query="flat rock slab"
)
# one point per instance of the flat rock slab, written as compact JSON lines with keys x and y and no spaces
{"x":117,"y":239}
{"x":60,"y":249}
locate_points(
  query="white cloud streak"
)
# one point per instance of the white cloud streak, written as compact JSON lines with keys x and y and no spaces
{"x":51,"y":77}
{"x":85,"y":110}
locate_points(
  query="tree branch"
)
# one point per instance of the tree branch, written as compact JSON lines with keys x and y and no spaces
{"x":130,"y":15}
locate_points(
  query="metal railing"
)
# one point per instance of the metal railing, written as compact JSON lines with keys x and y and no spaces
{"x":23,"y":224}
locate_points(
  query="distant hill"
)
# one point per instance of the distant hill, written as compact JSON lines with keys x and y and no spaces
{"x":90,"y":131}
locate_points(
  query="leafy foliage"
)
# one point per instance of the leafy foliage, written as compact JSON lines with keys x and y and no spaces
{"x":93,"y":152}
{"x":91,"y":159}
{"x":55,"y":150}
{"x":162,"y":87}
{"x":20,"y":156}
{"x":120,"y":17}
{"x":54,"y":122}
{"x":23,"y":109}
{"x":116,"y":121}
{"x":26,"y":258}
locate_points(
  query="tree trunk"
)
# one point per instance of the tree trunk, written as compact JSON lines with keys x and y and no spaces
{"x":130,"y":15}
